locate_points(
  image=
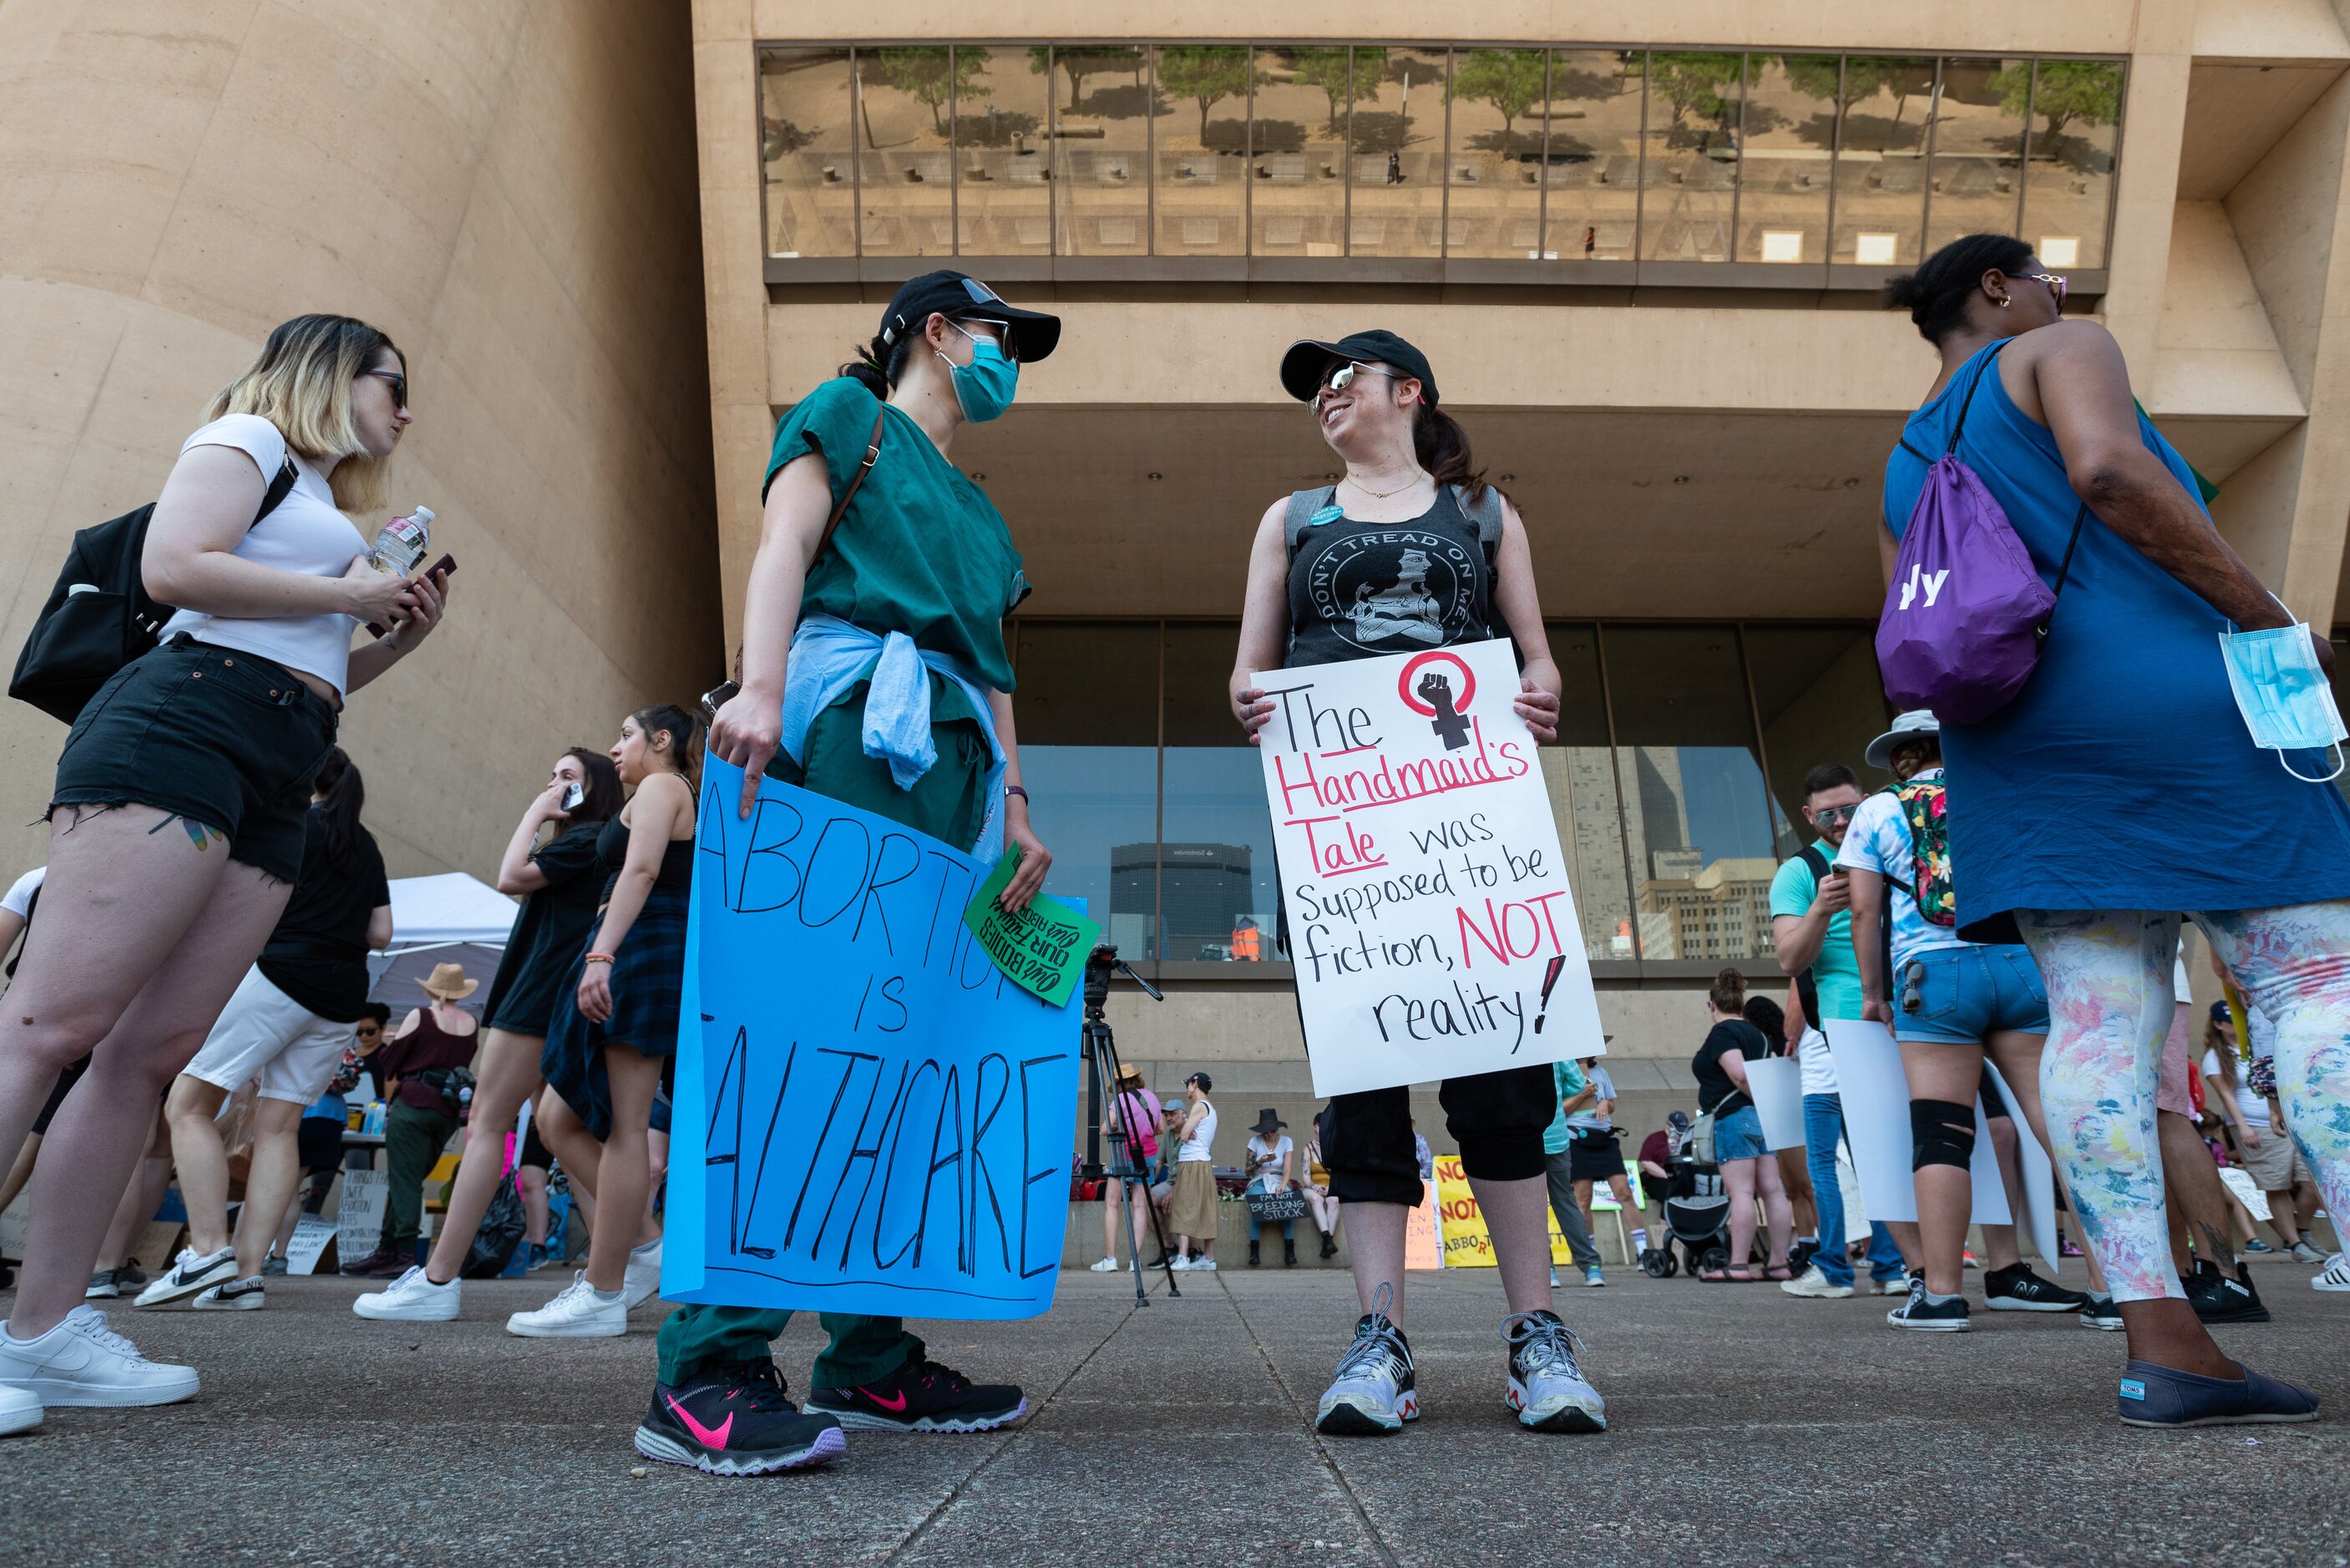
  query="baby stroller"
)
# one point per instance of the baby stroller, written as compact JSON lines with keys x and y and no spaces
{"x":1697,"y":1212}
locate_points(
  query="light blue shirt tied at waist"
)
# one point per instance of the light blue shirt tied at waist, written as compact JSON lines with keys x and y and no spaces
{"x":830,"y":655}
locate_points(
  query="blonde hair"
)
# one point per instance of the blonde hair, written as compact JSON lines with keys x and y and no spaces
{"x":301,"y":382}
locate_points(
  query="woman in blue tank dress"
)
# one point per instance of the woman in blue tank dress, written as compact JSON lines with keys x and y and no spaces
{"x":2122,"y":787}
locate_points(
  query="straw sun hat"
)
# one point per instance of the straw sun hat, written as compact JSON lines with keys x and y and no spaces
{"x":447,"y":983}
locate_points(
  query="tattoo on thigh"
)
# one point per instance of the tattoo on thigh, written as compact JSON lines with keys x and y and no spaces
{"x":203,"y":835}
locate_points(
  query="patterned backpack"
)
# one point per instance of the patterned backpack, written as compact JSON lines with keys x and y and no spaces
{"x":1925,"y":811}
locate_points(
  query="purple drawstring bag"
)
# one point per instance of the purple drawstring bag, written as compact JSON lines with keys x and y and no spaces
{"x":1967,"y":611}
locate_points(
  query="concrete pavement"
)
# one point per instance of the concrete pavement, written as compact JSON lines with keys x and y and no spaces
{"x":1748,"y":1427}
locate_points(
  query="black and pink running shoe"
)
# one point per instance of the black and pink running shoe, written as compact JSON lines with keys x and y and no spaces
{"x":734,"y":1421}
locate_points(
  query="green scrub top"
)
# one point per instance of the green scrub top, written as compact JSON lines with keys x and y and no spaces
{"x":921,"y":550}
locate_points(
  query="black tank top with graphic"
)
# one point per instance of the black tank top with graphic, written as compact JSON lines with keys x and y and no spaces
{"x":1358,"y":590}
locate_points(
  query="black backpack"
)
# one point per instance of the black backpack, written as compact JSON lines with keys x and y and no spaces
{"x":99,"y":616}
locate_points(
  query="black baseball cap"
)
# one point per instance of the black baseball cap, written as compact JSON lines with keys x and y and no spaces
{"x":1034,"y":335}
{"x":1307,"y":361}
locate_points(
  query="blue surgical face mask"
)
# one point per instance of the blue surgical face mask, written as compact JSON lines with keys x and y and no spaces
{"x":2281,"y":691}
{"x":986,"y":386}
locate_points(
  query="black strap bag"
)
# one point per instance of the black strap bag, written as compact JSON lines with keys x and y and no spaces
{"x":501,"y":1231}
{"x":100,"y":616}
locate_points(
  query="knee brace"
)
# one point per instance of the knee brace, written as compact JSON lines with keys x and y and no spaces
{"x":1941,"y":1132}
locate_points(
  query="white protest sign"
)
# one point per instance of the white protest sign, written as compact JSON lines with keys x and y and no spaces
{"x":1776,"y":1087}
{"x":359,"y":1219}
{"x":1876,"y":1125}
{"x":309,"y":1244}
{"x":1431,"y":922}
{"x":2039,"y":1178}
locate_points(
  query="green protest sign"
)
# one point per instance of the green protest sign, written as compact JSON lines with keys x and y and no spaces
{"x":1042,"y":948}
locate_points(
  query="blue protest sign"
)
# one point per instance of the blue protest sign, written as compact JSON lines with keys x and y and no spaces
{"x":870,"y":1117}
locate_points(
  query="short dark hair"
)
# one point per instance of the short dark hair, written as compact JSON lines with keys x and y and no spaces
{"x":1935,"y":295}
{"x":377,"y":1011}
{"x":1828,"y":777}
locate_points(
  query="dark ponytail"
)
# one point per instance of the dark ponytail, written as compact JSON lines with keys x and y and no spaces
{"x":1442,"y":448}
{"x":681,"y":728}
{"x":1772,"y":1019}
{"x":879,"y":365}
{"x":601,"y":795}
{"x":1935,"y":295}
{"x":339,"y":795}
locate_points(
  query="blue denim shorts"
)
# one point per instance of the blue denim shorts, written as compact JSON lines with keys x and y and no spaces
{"x":1965,"y":996}
{"x":1739,"y":1136}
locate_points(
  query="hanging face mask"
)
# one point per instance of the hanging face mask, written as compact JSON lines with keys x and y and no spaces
{"x":2283,"y":694}
{"x":986,"y":386}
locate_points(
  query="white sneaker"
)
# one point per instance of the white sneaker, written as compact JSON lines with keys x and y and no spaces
{"x":20,"y":1409}
{"x":1814,"y":1284}
{"x":642,"y":1279}
{"x":187,"y":1275}
{"x":1106,"y":1266}
{"x":83,"y":1362}
{"x":1204,"y":1262}
{"x":574,"y":1314}
{"x":1898,"y":1285}
{"x":2334,"y":1276}
{"x":412,"y":1298}
{"x":1180,"y":1262}
{"x":232,"y":1295}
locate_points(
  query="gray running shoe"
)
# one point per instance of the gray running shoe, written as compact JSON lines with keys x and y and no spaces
{"x":1546,"y":1387}
{"x":1372,"y":1393}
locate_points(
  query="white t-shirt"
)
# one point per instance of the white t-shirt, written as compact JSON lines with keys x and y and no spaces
{"x":18,"y":899}
{"x":306,"y":534}
{"x":1267,"y":1177}
{"x":1589,"y":1117}
{"x":2255,"y":1107}
{"x":2181,"y":987}
{"x":1195,"y":1146}
{"x":1878,"y":840}
{"x":1818,"y":1066}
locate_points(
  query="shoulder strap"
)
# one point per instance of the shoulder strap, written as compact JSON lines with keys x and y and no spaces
{"x":1810,"y":856}
{"x":841,"y":507}
{"x":1303,"y":506}
{"x":279,"y":489}
{"x":1981,"y":367}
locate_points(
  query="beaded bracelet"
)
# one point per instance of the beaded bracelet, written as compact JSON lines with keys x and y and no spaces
{"x":598,"y":958}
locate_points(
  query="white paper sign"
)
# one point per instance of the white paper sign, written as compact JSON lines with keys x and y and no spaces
{"x":1775,"y":1085}
{"x":2039,"y":1178}
{"x":1431,"y":922}
{"x":358,"y":1219}
{"x":309,"y":1244}
{"x":1876,"y":1095}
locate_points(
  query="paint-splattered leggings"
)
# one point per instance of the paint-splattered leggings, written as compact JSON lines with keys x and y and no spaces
{"x":2110,"y":1000}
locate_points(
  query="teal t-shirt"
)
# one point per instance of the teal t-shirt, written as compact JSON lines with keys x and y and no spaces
{"x":1567,"y":1081}
{"x":921,"y":549}
{"x":1836,"y":971}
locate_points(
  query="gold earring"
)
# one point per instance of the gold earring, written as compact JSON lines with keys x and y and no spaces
{"x":2004,"y":301}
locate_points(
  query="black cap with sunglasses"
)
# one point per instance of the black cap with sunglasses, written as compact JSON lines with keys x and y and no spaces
{"x":1305,"y":369}
{"x":1030,"y":335}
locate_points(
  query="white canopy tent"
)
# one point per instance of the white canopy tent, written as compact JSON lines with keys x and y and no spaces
{"x":449,"y":918}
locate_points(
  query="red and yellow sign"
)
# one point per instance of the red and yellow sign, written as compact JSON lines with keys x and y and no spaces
{"x":1467,"y":1245}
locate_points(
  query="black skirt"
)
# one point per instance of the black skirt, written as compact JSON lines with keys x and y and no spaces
{"x":647,"y":980}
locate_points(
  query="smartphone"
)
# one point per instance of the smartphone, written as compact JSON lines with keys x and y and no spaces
{"x":572,"y":796}
{"x":445,"y":567}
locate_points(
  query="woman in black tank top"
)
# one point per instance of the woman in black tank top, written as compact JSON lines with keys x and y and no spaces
{"x":1412,"y":551}
{"x":616,"y":1028}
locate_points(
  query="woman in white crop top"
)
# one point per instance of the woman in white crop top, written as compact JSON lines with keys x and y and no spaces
{"x":176,"y":822}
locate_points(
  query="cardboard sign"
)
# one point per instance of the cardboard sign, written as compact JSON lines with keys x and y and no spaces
{"x":1431,"y":922}
{"x":1424,"y":1246}
{"x":1775,"y":1085}
{"x":1875,"y":1093}
{"x":870,"y":1116}
{"x":359,"y":1218}
{"x":1043,"y":947}
{"x":309,"y":1244}
{"x":1468,"y":1244}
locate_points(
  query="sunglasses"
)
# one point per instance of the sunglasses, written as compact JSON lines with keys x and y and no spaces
{"x":1913,"y":986}
{"x":397,"y":380}
{"x":1833,"y":812}
{"x":1342,"y":376}
{"x":2054,"y":282}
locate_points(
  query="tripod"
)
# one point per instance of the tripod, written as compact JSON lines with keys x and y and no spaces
{"x":1103,"y":1067}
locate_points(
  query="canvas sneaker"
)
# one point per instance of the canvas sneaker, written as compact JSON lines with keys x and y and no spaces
{"x":1811,"y":1282}
{"x":2017,"y":1289}
{"x":82,"y":1361}
{"x":2334,"y":1276}
{"x":412,"y":1298}
{"x":641,"y":1282}
{"x":2256,"y":1248}
{"x":20,"y":1409}
{"x":921,"y":1397}
{"x":2154,"y":1395}
{"x":1546,"y":1387}
{"x":1373,"y":1391}
{"x":1924,"y":1312}
{"x":2303,"y":1252}
{"x":187,"y":1275}
{"x":576,"y":1313}
{"x":232,"y":1295}
{"x":735,"y":1420}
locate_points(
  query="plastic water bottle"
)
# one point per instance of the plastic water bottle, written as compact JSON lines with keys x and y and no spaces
{"x":399,"y":548}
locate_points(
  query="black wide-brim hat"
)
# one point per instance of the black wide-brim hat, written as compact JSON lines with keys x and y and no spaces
{"x":1309,"y":360}
{"x":1034,"y":333}
{"x":1267,"y":1122}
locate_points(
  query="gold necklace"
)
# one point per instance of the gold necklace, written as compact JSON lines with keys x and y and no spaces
{"x":1417,"y":474}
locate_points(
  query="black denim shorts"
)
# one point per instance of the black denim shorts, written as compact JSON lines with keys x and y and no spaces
{"x":1497,"y":1118}
{"x":220,"y":737}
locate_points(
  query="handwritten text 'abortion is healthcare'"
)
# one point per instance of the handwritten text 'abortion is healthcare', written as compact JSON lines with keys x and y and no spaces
{"x":870,"y":1116}
{"x":1430,"y":916}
